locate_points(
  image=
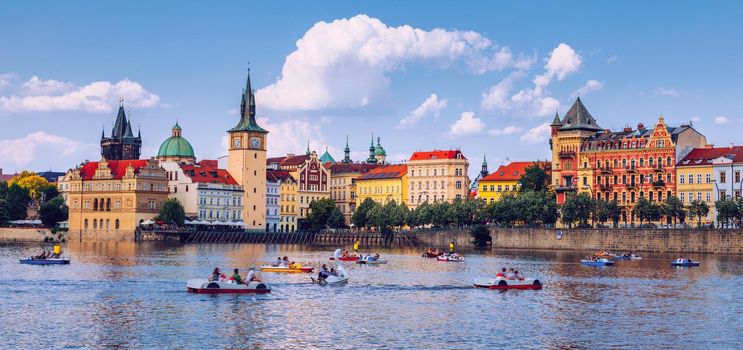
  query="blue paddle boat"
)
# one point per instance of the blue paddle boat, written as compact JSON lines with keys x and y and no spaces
{"x":684,"y":263}
{"x":45,"y":261}
{"x":597,"y":262}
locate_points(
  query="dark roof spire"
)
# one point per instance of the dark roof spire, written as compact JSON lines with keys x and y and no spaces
{"x":247,"y":110}
{"x":578,"y":118}
{"x":120,"y":125}
{"x":346,"y":152}
{"x":103,"y":132}
{"x":556,"y":121}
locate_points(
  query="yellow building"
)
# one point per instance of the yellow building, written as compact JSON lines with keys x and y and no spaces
{"x":288,"y":209}
{"x":437,"y":176}
{"x":502,"y":181}
{"x":343,"y":186}
{"x":384,"y":184}
{"x":109,"y":199}
{"x":246,"y":161}
{"x":696,"y":177}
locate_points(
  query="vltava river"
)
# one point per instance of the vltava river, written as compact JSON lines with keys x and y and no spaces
{"x":133,"y":296}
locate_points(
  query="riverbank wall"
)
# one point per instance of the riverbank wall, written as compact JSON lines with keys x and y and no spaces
{"x":10,"y":235}
{"x":707,"y":241}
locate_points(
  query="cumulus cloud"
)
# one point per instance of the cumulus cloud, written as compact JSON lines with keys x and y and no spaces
{"x":7,"y":78}
{"x":695,"y":119}
{"x":42,"y":150}
{"x":432,"y":106}
{"x":612,"y":59}
{"x":591,"y":85}
{"x":721,"y":120}
{"x":498,"y":97}
{"x":562,"y":62}
{"x":662,"y":91}
{"x":291,"y":136}
{"x":344,"y":63}
{"x":38,"y":95}
{"x":509,"y":130}
{"x":466,"y":124}
{"x":537,"y":134}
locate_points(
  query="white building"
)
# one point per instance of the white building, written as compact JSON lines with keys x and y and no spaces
{"x":206,"y":192}
{"x":273,"y":192}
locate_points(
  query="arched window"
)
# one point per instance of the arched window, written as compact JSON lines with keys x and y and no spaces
{"x":650,"y":162}
{"x":86,"y":224}
{"x":108,"y":224}
{"x":116,"y":223}
{"x":668,"y":161}
{"x":95,"y":224}
{"x":642,"y":162}
{"x":108,"y":204}
{"x":95,"y":204}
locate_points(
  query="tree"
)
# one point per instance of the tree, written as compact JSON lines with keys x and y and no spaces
{"x":335,"y":219}
{"x":578,"y":208}
{"x":481,"y":235}
{"x":727,"y":210}
{"x":360,"y":216}
{"x":535,"y":178}
{"x":614,"y":211}
{"x":31,"y":182}
{"x":698,"y":209}
{"x":646,"y":210}
{"x":674,"y":209}
{"x":16,"y":199}
{"x":172,"y":212}
{"x":4,"y":214}
{"x":53,"y":211}
{"x":320,"y":211}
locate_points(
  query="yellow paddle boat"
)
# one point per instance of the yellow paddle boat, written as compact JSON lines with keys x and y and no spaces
{"x":284,"y":269}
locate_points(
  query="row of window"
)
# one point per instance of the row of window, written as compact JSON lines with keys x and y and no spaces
{"x":236,"y":201}
{"x":650,"y":178}
{"x":220,"y":215}
{"x":499,"y":188}
{"x":633,"y":163}
{"x":379,"y":189}
{"x":99,"y":224}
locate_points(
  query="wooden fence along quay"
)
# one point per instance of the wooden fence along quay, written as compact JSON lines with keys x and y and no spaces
{"x":366,"y":239}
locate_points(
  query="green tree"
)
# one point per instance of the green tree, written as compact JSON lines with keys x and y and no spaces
{"x":481,"y":235}
{"x":4,"y":214}
{"x":17,"y":200}
{"x":578,"y":208}
{"x":172,"y":212}
{"x":360,"y":217}
{"x":335,"y":219}
{"x":646,"y":210}
{"x":536,"y":178}
{"x":613,"y":211}
{"x":727,"y":210}
{"x":320,"y":211}
{"x":53,"y":211}
{"x":504,"y":210}
{"x":48,"y":192}
{"x":698,"y":209}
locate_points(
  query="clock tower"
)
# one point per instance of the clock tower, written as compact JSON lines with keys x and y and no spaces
{"x":246,"y":161}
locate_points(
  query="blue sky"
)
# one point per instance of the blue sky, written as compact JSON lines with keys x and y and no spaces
{"x":485,"y":77}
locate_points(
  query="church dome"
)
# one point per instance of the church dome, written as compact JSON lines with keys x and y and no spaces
{"x":379,"y":150}
{"x":326,"y":157}
{"x":176,"y":146}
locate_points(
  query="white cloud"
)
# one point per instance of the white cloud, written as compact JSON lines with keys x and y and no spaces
{"x":7,"y":78}
{"x":432,"y":106}
{"x":562,"y":62}
{"x":612,"y":59}
{"x":344,"y":63}
{"x":537,"y":134}
{"x":101,"y":96}
{"x":498,"y":95}
{"x":591,"y":85}
{"x":509,"y":130}
{"x":721,"y":120}
{"x":42,"y":150}
{"x":695,"y":119}
{"x":466,"y":124}
{"x":661,"y":91}
{"x":291,"y":137}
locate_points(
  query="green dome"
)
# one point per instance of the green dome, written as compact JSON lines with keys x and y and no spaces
{"x":326,"y":157}
{"x":379,"y":150}
{"x":176,"y":145}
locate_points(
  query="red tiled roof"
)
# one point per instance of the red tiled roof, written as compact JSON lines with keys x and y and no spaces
{"x":437,"y":154}
{"x":386,"y":172}
{"x":206,"y":171}
{"x":288,"y":161}
{"x":118,"y":168}
{"x":345,"y":168}
{"x":509,"y":172}
{"x":704,"y":156}
{"x":276,"y":175}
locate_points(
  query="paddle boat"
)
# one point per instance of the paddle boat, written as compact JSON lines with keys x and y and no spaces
{"x":504,"y":284}
{"x":370,"y":260}
{"x":684,"y":263}
{"x":453,"y":257}
{"x":285,"y":269}
{"x":627,"y":256}
{"x":204,"y":286}
{"x":597,"y":262}
{"x":340,"y":278}
{"x":53,"y":261}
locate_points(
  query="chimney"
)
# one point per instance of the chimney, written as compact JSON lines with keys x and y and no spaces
{"x":289,"y":155}
{"x":640,"y":126}
{"x":627,"y":129}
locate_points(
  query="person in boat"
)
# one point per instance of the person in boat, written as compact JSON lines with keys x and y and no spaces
{"x":509,"y":274}
{"x":216,"y":275}
{"x":324,"y":273}
{"x":236,"y":277}
{"x":285,"y":262}
{"x":293,"y":265}
{"x":278,"y":262}
{"x":251,"y":277}
{"x":501,"y":273}
{"x":333,"y":272}
{"x":376,"y":256}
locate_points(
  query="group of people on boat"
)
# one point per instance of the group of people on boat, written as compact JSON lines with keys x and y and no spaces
{"x":285,"y":263}
{"x":218,"y":276}
{"x":370,"y":257}
{"x":433,"y":252}
{"x":594,"y":257}
{"x":509,"y":274}
{"x":346,"y":254}
{"x":628,"y":254}
{"x":681,"y":259}
{"x":47,"y":255}
{"x":325,"y":273}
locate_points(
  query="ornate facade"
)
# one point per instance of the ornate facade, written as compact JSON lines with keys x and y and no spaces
{"x":122,"y":144}
{"x":343,"y":177}
{"x":246,"y":161}
{"x":437,"y":176}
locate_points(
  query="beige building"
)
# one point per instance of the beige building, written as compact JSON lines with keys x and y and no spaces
{"x":109,"y":199}
{"x":246,"y":162}
{"x":437,"y":176}
{"x":343,"y":178}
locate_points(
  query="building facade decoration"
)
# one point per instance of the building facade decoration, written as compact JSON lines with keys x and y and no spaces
{"x":122,"y":144}
{"x":246,"y":161}
{"x":388,"y":183}
{"x":437,"y":176}
{"x":343,"y":177}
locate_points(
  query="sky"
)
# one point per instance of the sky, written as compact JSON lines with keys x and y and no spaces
{"x":486,"y":77}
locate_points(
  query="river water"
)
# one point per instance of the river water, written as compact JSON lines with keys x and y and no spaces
{"x":133,"y":296}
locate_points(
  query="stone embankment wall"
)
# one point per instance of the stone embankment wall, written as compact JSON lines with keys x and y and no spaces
{"x":100,"y":236}
{"x":641,"y":240}
{"x":24,"y":234}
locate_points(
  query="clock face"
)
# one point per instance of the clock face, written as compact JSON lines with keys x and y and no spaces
{"x":236,"y":142}
{"x":255,"y":142}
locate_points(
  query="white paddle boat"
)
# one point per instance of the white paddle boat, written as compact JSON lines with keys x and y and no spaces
{"x":204,"y":286}
{"x":341,"y":275}
{"x":503,"y":283}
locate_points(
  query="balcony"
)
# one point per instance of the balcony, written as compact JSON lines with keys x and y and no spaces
{"x":631,"y":185}
{"x":559,"y":189}
{"x":605,"y":171}
{"x":566,"y":154}
{"x":631,"y":169}
{"x":604,"y":187}
{"x":659,"y":184}
{"x":658,"y":169}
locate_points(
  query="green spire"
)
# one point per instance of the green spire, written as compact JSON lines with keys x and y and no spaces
{"x":308,"y":148}
{"x":371,"y":159}
{"x":247,"y":112}
{"x":346,"y":153}
{"x":326,"y":157}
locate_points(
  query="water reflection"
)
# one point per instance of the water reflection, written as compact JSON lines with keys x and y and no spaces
{"x":125,"y":295}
